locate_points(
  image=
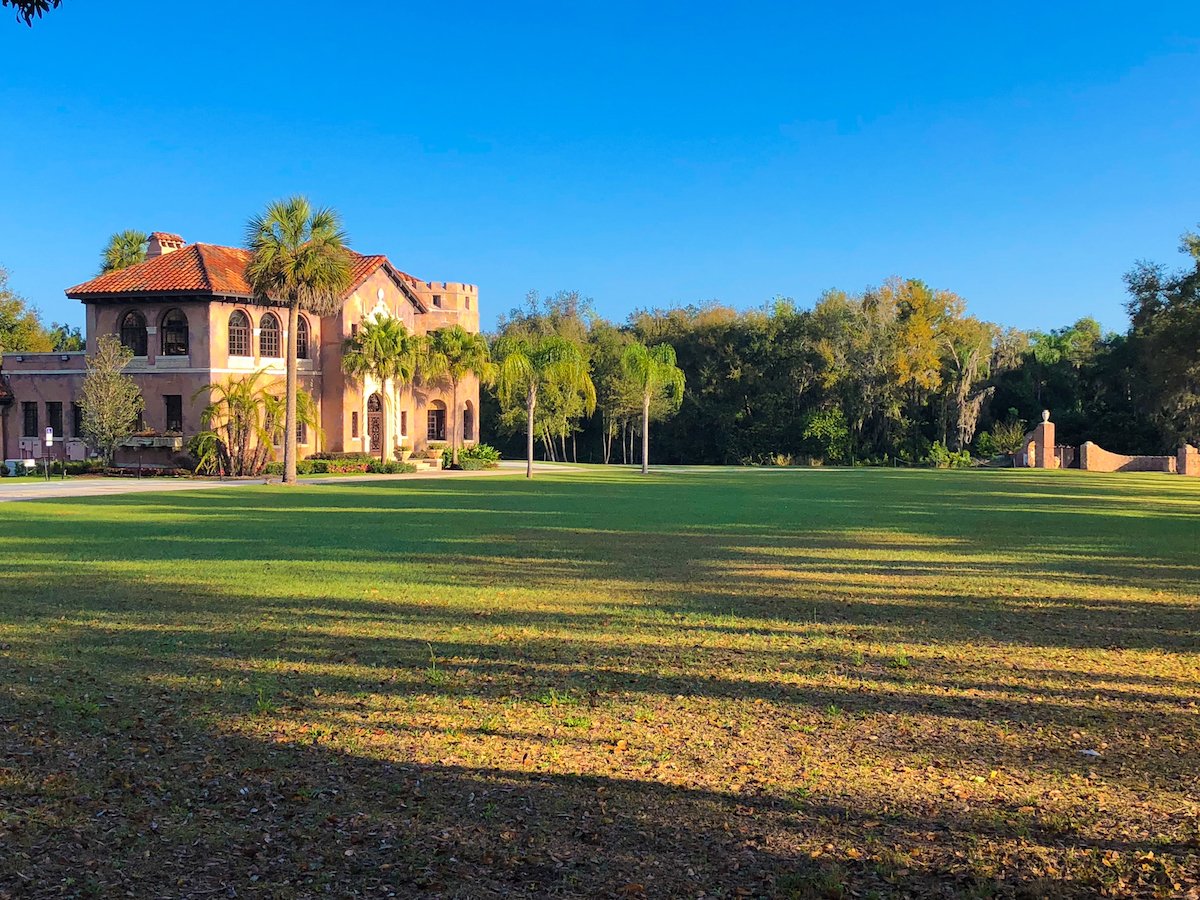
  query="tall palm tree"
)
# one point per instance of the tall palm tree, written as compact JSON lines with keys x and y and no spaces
{"x":124,"y":249}
{"x":452,"y":354}
{"x":653,"y":372}
{"x":528,"y":362}
{"x":300,"y":260}
{"x":385,"y":350}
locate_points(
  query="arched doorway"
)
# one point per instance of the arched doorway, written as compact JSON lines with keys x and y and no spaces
{"x":375,"y":424}
{"x":435,"y":421}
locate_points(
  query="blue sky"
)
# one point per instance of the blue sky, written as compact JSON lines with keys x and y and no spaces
{"x":1021,"y":154}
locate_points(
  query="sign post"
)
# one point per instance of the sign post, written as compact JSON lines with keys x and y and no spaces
{"x":46,"y":445}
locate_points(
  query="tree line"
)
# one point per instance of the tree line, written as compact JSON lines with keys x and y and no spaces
{"x":900,"y":372}
{"x":22,"y":328}
{"x":897,"y":373}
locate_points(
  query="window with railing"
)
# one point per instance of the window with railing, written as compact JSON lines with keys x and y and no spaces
{"x":133,"y":332}
{"x":174,"y":331}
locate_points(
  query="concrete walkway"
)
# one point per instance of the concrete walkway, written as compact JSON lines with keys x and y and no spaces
{"x":30,"y":488}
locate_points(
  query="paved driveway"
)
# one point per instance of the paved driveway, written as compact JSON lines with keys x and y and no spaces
{"x":30,"y":488}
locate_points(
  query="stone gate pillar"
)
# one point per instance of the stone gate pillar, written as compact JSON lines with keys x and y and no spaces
{"x":1187,"y":461}
{"x":1043,"y":440}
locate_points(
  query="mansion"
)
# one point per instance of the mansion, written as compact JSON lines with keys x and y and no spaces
{"x":190,"y":318}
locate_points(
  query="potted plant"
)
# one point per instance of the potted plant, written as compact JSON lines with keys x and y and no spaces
{"x":403,"y":452}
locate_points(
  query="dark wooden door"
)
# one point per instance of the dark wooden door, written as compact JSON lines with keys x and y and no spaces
{"x":375,"y":424}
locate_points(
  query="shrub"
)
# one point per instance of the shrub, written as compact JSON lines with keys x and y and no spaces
{"x":83,"y":467}
{"x":985,"y":445}
{"x":827,"y":435}
{"x":941,"y":458}
{"x":1009,"y":436}
{"x":481,"y":456}
{"x":355,"y":456}
{"x":394,"y":467}
{"x":349,"y":465}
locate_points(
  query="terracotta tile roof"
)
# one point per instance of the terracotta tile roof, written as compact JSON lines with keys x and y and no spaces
{"x":194,"y":269}
{"x":207,"y":269}
{"x":167,"y":236}
{"x":362,"y":266}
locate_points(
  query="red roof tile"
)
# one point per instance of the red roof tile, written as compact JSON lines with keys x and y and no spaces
{"x":167,"y":236}
{"x":206,"y":269}
{"x":194,"y":269}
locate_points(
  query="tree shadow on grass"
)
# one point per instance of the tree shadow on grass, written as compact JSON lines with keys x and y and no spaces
{"x":464,"y":617}
{"x":136,"y":796}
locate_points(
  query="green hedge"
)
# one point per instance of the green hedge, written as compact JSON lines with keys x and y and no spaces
{"x":481,"y":456}
{"x":344,"y":466}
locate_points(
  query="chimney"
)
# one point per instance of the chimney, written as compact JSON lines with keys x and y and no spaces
{"x":162,"y":243}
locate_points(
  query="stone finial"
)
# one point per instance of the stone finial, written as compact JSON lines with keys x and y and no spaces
{"x":1045,"y":415}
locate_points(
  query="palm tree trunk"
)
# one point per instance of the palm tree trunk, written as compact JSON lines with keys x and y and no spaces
{"x":529,"y":406}
{"x":396,"y":408}
{"x":646,"y":434}
{"x":289,"y":420}
{"x":384,"y":391}
{"x":454,"y":424}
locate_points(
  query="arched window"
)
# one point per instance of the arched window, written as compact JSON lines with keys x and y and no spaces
{"x":133,"y":332}
{"x":302,"y":338}
{"x":174,"y":330}
{"x":268,"y":336}
{"x":239,"y":334}
{"x":468,"y":425}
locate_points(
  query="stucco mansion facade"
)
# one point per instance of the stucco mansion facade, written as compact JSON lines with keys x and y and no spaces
{"x":188,"y":315}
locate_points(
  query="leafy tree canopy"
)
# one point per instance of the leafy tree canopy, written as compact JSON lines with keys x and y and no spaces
{"x":28,"y":10}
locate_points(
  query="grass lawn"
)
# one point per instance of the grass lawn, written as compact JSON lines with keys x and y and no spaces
{"x":723,"y":683}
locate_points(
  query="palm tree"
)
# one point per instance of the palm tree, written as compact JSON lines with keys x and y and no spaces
{"x":654,"y":373}
{"x":243,"y":420}
{"x":452,"y":354}
{"x":385,"y":350}
{"x":299,"y":259}
{"x":529,"y":362}
{"x":124,"y":249}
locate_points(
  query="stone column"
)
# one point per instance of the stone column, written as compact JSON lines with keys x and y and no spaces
{"x":1187,"y":461}
{"x":1043,"y":436}
{"x":151,"y":341}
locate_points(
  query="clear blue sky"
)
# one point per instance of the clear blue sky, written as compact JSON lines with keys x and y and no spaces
{"x":1021,"y":154}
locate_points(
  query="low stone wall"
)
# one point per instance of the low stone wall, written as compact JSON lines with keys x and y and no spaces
{"x":1187,"y":460}
{"x":1094,"y":458}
